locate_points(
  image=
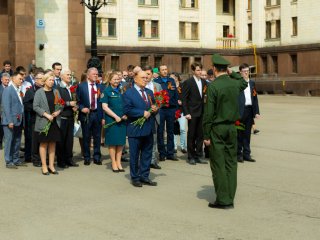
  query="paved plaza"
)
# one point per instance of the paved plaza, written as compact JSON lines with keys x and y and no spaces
{"x":278,"y":197}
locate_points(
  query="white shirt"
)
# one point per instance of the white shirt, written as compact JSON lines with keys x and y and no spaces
{"x":247,"y":94}
{"x":89,"y":90}
{"x":139,"y":90}
{"x":25,"y":85}
{"x":150,"y":85}
{"x":199,"y":84}
{"x":18,"y":90}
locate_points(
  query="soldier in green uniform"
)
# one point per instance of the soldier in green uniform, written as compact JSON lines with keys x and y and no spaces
{"x":220,"y":114}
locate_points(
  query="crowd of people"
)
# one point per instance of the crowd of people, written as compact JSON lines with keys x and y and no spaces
{"x":139,"y":105}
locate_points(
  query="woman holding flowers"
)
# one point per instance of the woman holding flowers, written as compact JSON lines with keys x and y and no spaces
{"x":48,"y":104}
{"x":115,"y":136}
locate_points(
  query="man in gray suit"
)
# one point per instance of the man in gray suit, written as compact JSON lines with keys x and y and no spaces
{"x":154,"y":87}
{"x":12,"y":120}
{"x":5,"y":78}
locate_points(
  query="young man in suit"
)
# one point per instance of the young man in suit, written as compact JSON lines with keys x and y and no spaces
{"x":56,"y":69}
{"x":90,"y":116}
{"x":12,"y":121}
{"x":4,"y":83}
{"x":65,"y":146}
{"x":167,"y":116}
{"x":137,"y":102}
{"x":249,"y":109}
{"x":193,"y":97}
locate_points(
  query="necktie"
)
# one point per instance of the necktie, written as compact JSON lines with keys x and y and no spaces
{"x":144,"y":96}
{"x":93,"y":97}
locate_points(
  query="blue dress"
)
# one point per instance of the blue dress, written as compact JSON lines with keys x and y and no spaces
{"x":116,"y":134}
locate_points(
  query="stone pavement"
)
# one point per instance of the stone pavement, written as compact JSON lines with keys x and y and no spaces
{"x":278,"y":197}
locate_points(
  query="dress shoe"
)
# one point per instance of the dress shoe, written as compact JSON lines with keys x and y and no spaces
{"x":87,"y":162}
{"x":155,"y":166}
{"x":124,"y":159}
{"x":219,"y":206}
{"x":172,"y":158}
{"x":256,"y":131}
{"x":137,"y":184}
{"x":162,"y":159}
{"x":249,"y":159}
{"x":240,"y":159}
{"x":175,"y":151}
{"x":55,"y":172}
{"x":198,"y":160}
{"x":63,"y":166}
{"x":192,"y":161}
{"x":121,"y":170}
{"x":28,"y":160}
{"x":183,"y":151}
{"x":45,"y":173}
{"x":37,"y":164}
{"x":97,"y":162}
{"x":21,"y":164}
{"x":11,"y":166}
{"x":72,"y":164}
{"x":115,"y":170}
{"x":149,"y":182}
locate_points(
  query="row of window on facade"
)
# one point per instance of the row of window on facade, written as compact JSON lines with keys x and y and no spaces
{"x":269,"y":64}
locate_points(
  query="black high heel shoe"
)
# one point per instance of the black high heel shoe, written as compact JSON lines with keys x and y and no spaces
{"x":53,"y":172}
{"x":115,"y":170}
{"x":121,"y":170}
{"x":45,"y":173}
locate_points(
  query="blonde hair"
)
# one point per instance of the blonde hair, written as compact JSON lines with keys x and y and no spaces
{"x":46,"y":76}
{"x":110,"y":76}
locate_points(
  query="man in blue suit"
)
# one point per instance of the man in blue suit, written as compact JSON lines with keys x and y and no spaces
{"x":56,"y":68}
{"x":249,"y":109}
{"x":12,"y":121}
{"x":5,"y":78}
{"x":137,"y":103}
{"x":167,"y":116}
{"x":90,"y":116}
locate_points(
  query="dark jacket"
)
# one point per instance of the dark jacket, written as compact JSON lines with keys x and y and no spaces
{"x":67,"y":111}
{"x":28,"y":104}
{"x":254,"y":100}
{"x":170,"y":85}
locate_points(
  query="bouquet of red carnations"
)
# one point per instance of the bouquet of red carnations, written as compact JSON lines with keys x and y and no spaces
{"x":161,"y":99}
{"x":58,"y":105}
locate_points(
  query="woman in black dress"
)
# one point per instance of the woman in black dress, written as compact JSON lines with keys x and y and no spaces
{"x":47,"y":110}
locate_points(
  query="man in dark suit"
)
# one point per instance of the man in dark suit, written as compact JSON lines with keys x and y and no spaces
{"x":28,"y":110}
{"x":65,"y":146}
{"x":4,"y":83}
{"x":137,"y":102}
{"x":30,"y":77}
{"x":249,"y":109}
{"x":12,"y":121}
{"x":56,"y":69}
{"x":6,"y":68}
{"x":167,"y":115}
{"x":90,"y":116}
{"x":193,"y":94}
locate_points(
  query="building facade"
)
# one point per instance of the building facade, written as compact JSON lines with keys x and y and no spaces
{"x":277,"y":37}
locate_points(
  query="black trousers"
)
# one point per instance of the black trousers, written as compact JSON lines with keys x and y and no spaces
{"x":1,"y":132}
{"x":27,"y":136}
{"x":35,"y":147}
{"x":64,"y":148}
{"x":245,"y":136}
{"x":195,"y":137}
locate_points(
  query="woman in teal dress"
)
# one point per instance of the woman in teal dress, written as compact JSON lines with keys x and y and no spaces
{"x":115,"y":136}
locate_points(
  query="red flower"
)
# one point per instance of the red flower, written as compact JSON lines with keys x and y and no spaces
{"x":21,"y":94}
{"x":18,"y":117}
{"x":178,"y":114}
{"x":73,"y":89}
{"x":162,"y":98}
{"x":98,"y":82}
{"x":237,"y":123}
{"x":61,"y":102}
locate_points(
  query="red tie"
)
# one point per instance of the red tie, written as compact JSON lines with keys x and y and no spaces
{"x":144,"y":96}
{"x":93,"y":97}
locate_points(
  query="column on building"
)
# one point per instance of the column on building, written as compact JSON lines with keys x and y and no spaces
{"x":241,"y":22}
{"x":258,"y":23}
{"x":208,"y":26}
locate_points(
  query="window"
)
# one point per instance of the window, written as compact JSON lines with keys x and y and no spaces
{"x":294,"y":63}
{"x":182,"y":30}
{"x":226,"y":30}
{"x":4,"y":7}
{"x":198,"y":59}
{"x":225,"y":6}
{"x":114,"y":62}
{"x":141,"y":2}
{"x":150,"y":2}
{"x":278,"y":29}
{"x":157,"y":61}
{"x":106,"y":27}
{"x":268,"y":30}
{"x":194,"y":31}
{"x":264,"y":61}
{"x":275,"y":64}
{"x":188,"y":4}
{"x":250,"y":32}
{"x":294,"y":26}
{"x":278,"y":2}
{"x":154,"y":3}
{"x":154,"y":29}
{"x":268,"y":3}
{"x":141,"y":29}
{"x":144,"y":61}
{"x":184,"y":65}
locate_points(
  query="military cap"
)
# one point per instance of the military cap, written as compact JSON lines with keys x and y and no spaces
{"x":155,"y":70}
{"x":217,"y":59}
